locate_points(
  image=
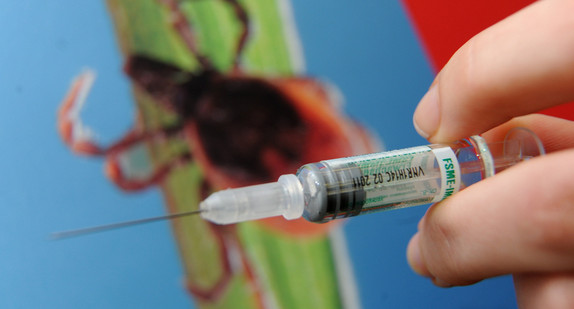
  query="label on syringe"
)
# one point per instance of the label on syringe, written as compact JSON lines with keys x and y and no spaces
{"x":405,"y":177}
{"x":450,"y":172}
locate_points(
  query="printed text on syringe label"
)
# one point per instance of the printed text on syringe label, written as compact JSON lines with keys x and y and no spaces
{"x":393,"y":167}
{"x":450,"y":172}
{"x":408,"y":176}
{"x":389,"y":176}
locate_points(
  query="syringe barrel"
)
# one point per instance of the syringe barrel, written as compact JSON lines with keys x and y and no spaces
{"x":363,"y":184}
{"x":347,"y":187}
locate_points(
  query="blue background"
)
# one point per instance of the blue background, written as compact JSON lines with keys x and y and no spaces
{"x":368,"y":49}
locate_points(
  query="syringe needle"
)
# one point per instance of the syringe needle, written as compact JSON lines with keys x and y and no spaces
{"x":113,"y":226}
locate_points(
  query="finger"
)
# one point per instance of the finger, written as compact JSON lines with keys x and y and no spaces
{"x":521,"y":220}
{"x":554,"y":290}
{"x":518,"y":66}
{"x":556,"y":134}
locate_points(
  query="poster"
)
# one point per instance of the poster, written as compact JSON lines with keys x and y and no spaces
{"x":370,"y":51}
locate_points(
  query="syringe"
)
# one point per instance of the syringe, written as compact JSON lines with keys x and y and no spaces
{"x":341,"y":188}
{"x":346,"y":187}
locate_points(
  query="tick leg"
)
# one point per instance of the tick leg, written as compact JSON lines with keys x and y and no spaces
{"x":185,"y":30}
{"x":215,"y":292}
{"x":184,"y":27}
{"x":79,"y":138}
{"x":73,"y":132}
{"x":117,"y":173}
{"x":243,"y":19}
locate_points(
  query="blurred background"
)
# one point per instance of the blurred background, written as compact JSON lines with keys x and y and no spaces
{"x":371,"y":50}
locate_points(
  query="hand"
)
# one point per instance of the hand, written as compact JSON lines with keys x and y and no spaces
{"x":520,"y":221}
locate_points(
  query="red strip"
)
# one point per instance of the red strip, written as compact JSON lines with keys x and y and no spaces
{"x":445,"y":25}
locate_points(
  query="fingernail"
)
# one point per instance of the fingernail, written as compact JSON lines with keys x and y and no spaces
{"x":427,"y":115}
{"x":414,"y":257}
